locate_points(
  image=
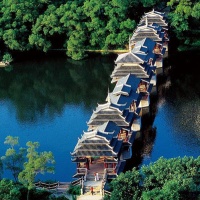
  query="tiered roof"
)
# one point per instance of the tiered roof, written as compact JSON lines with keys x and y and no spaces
{"x":125,"y":91}
{"x":154,"y":17}
{"x":121,"y":70}
{"x":143,"y":64}
{"x":128,"y":58}
{"x":134,"y":71}
{"x":153,"y":32}
{"x":144,"y":49}
{"x":102,"y":141}
{"x":110,"y":112}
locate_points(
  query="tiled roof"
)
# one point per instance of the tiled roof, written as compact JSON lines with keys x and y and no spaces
{"x":154,"y":16}
{"x":122,"y":89}
{"x":148,"y":31}
{"x":99,"y":142}
{"x":128,"y":58}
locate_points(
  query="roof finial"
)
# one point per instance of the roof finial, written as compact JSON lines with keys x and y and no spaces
{"x":108,"y":97}
{"x":129,"y":43}
{"x":146,"y":21}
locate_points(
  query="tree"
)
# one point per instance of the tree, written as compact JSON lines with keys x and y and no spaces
{"x":8,"y":190}
{"x":119,"y":26}
{"x":175,"y":178}
{"x":47,"y":25}
{"x":184,"y":18}
{"x":13,"y":159}
{"x":126,"y":186}
{"x":76,"y":36}
{"x":7,"y":58}
{"x":74,"y":191}
{"x":36,"y":163}
{"x":151,"y":3}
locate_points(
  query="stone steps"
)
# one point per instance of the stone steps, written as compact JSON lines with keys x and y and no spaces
{"x":96,"y":189}
{"x":91,"y":178}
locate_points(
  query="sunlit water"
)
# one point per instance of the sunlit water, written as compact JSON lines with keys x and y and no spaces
{"x":50,"y":100}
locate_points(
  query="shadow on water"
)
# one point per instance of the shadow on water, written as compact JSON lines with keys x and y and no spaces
{"x":48,"y":98}
{"x":143,"y":145}
{"x":41,"y":87}
{"x":178,"y":89}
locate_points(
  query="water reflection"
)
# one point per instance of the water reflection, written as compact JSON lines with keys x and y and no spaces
{"x":49,"y":100}
{"x":41,"y":87}
{"x":172,"y":127}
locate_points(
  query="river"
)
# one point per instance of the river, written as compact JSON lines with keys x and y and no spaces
{"x":50,"y":98}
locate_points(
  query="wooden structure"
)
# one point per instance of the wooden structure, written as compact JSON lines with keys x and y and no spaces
{"x":153,"y":16}
{"x":113,"y":125}
{"x":152,"y":25}
{"x":129,"y":63}
{"x":150,"y":51}
{"x":106,"y":142}
{"x":4,"y":64}
{"x":141,"y":61}
{"x":118,"y":113}
{"x":134,"y":92}
{"x":154,"y":32}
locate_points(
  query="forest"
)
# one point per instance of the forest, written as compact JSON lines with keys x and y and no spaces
{"x":79,"y":26}
{"x":166,"y":179}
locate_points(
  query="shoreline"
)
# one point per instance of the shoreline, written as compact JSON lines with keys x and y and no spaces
{"x":3,"y":64}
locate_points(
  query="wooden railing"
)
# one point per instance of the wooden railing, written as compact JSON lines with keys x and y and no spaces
{"x":76,"y":182}
{"x":107,"y":193}
{"x":80,"y":182}
{"x":49,"y":186}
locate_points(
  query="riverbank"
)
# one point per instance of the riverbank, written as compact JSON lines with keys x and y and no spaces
{"x":3,"y":64}
{"x":98,"y":51}
{"x":109,"y":51}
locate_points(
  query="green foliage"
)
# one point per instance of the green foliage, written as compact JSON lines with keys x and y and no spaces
{"x":184,"y":18}
{"x":37,"y":163}
{"x":14,"y":158}
{"x":78,"y":26}
{"x":175,"y":178}
{"x":149,"y":3}
{"x":196,"y":11}
{"x":7,"y":57}
{"x":8,"y":190}
{"x":74,"y":190}
{"x":73,"y":19}
{"x":126,"y":186}
{"x":16,"y":21}
{"x":58,"y":198}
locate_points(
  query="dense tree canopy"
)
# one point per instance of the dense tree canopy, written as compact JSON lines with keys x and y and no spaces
{"x":175,"y":178}
{"x":184,"y":18}
{"x":8,"y":190}
{"x":81,"y":25}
